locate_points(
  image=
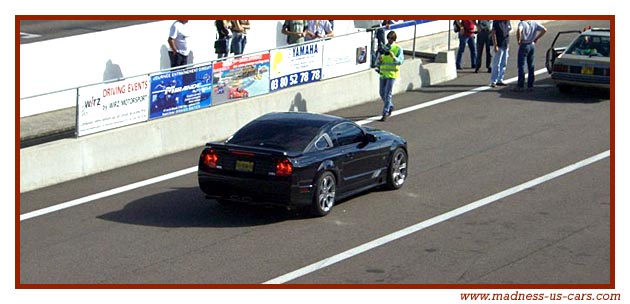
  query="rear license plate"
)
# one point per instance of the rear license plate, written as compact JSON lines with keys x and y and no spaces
{"x":246,"y":166}
{"x":588,"y":70}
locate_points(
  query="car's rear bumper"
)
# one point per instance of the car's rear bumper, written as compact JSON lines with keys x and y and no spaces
{"x":573,"y":79}
{"x":254,"y":190}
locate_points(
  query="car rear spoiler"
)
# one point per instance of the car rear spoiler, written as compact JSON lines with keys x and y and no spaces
{"x":249,"y":149}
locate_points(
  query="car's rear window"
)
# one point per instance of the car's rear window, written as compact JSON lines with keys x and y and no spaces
{"x":283,"y":135}
{"x":590,"y":45}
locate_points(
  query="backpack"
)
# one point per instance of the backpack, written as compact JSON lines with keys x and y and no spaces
{"x":456,"y":28}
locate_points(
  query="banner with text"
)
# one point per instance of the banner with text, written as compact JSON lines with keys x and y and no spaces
{"x":296,"y":65}
{"x":110,"y":105}
{"x":346,"y":55}
{"x":180,"y":91}
{"x":240,"y":77}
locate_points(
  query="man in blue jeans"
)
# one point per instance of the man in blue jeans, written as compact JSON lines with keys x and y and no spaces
{"x":527,"y":35}
{"x":467,"y":36}
{"x":389,"y":68}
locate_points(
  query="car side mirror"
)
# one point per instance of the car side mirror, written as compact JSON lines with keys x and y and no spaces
{"x":369,"y":137}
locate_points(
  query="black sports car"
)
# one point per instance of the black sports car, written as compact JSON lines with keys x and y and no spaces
{"x":298,"y":159}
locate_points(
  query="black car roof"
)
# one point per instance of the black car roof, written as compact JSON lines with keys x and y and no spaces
{"x":312,"y":119}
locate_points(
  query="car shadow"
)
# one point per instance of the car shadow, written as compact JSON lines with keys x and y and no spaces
{"x":546,"y":91}
{"x":188,"y":207}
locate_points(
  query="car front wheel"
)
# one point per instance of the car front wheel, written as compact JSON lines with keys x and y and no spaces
{"x":397,"y":172}
{"x":324,"y":196}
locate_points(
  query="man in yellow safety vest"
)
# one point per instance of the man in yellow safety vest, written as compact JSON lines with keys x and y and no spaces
{"x":389,"y":67}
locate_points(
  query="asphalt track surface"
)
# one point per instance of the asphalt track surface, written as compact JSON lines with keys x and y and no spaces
{"x":462,"y":151}
{"x":40,"y":30}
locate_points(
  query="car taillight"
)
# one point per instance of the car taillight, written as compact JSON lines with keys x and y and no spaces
{"x":560,"y":68}
{"x":210,"y":158}
{"x":284,"y":168}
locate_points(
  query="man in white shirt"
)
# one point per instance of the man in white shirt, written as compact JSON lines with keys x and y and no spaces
{"x":527,"y":35}
{"x":177,"y":41}
{"x":318,"y":29}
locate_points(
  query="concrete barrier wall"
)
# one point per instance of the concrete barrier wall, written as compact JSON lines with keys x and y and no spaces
{"x":136,"y":50}
{"x":67,"y":159}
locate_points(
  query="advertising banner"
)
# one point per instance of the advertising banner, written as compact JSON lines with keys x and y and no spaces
{"x":110,"y":105}
{"x":180,"y":91}
{"x":296,"y":65}
{"x":240,"y":77}
{"x":346,"y":55}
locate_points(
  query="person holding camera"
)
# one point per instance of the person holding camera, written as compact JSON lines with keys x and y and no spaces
{"x":318,"y":29}
{"x":389,"y":68}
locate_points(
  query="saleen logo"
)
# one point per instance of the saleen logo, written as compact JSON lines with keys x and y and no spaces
{"x":93,"y":102}
{"x":175,"y":89}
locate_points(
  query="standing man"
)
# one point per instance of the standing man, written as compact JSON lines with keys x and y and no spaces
{"x":177,"y":41}
{"x":500,"y":40}
{"x":390,"y":62}
{"x":318,"y":29}
{"x":295,"y":30}
{"x":484,"y":42}
{"x":466,"y":36}
{"x":239,"y":36}
{"x":527,"y":35}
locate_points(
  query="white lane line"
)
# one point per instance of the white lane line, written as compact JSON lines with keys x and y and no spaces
{"x":433,"y":221}
{"x":115,"y":191}
{"x":107,"y":193}
{"x":28,"y":35}
{"x":444,"y":99}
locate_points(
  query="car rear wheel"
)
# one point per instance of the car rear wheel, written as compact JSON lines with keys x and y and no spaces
{"x":324,"y":196}
{"x":397,"y":171}
{"x":225,"y":203}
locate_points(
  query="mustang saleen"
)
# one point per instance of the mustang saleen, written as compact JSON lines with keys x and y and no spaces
{"x":298,"y":159}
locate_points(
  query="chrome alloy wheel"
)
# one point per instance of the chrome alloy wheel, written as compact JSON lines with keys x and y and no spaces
{"x":399,"y":168}
{"x":326,"y":192}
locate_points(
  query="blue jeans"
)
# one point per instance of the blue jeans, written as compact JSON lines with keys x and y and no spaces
{"x":526,"y":54}
{"x":463,"y":40}
{"x":499,"y":62}
{"x":385,"y":90}
{"x":238,"y":43}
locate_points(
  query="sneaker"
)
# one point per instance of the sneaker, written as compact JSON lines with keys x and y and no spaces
{"x":477,"y":70}
{"x":529,"y":89}
{"x":493,"y":85}
{"x":384,"y":118}
{"x":501,"y":84}
{"x":459,"y":68}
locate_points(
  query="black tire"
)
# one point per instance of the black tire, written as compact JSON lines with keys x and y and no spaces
{"x":565,"y":89}
{"x":324,"y":196}
{"x":225,"y":203}
{"x":397,"y":171}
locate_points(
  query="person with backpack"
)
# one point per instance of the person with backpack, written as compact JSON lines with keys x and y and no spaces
{"x":466,"y":37}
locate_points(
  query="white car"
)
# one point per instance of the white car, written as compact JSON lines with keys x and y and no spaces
{"x":585,"y":62}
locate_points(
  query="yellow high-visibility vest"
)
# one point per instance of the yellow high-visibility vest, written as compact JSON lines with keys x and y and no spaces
{"x":389,"y":69}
